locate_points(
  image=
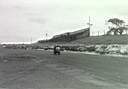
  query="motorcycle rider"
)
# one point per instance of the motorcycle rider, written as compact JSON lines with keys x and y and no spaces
{"x":57,"y":49}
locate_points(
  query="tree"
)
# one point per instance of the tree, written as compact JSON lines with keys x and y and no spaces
{"x":121,"y":30}
{"x":119,"y":26}
{"x":116,"y":21}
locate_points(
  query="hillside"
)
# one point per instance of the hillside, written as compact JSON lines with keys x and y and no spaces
{"x":117,"y":39}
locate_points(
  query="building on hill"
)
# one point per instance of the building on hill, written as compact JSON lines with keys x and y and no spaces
{"x":70,"y":36}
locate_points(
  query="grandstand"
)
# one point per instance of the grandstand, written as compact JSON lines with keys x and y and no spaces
{"x":71,"y":36}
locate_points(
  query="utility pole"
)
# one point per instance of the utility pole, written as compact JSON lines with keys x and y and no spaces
{"x":46,"y":36}
{"x":106,"y":23}
{"x":126,"y":29}
{"x":89,"y":24}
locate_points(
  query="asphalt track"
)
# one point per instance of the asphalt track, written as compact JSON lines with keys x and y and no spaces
{"x":34,"y":69}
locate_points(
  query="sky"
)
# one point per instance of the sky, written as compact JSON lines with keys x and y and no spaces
{"x":25,"y":20}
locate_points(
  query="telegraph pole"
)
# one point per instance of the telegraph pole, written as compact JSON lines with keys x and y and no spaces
{"x":126,"y":29}
{"x":46,"y":36}
{"x":89,"y":24}
{"x":106,"y":23}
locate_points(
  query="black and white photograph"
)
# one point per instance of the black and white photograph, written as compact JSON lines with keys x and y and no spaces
{"x":63,"y":44}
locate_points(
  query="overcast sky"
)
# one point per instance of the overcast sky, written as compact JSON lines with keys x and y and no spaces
{"x":22,"y":19}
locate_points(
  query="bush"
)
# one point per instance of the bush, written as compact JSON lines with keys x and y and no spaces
{"x":124,"y":50}
{"x":101,"y":49}
{"x":81,"y":49}
{"x":91,"y":48}
{"x":74,"y":48}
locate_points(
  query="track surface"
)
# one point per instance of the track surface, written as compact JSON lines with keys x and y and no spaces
{"x":22,"y":69}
